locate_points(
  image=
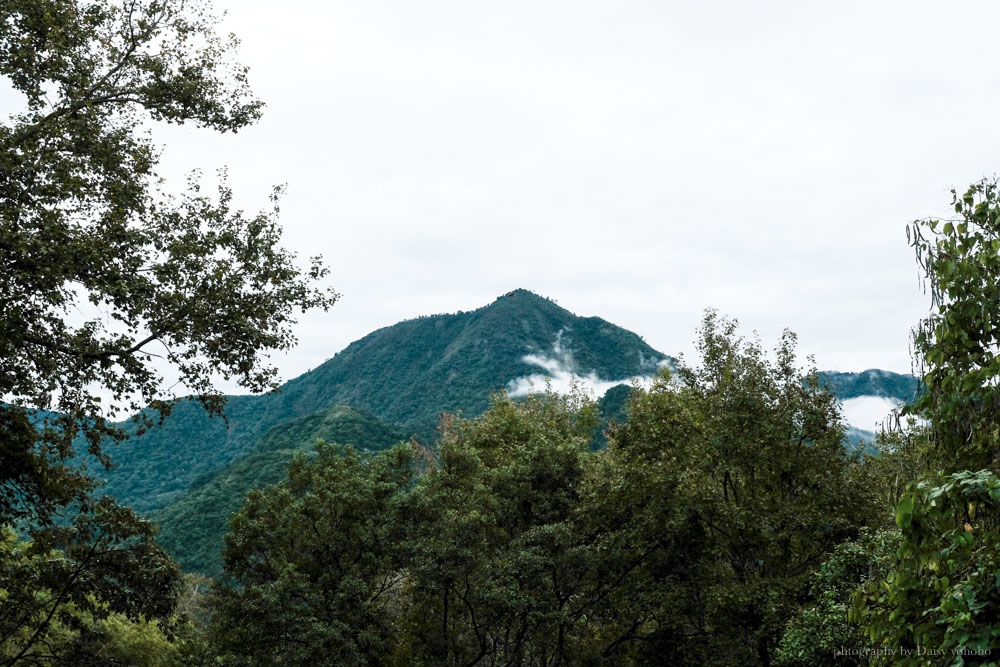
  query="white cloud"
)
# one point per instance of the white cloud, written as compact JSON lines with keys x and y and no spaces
{"x":868,"y":412}
{"x":561,"y":375}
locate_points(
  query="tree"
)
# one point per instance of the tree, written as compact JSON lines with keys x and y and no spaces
{"x":314,"y":563}
{"x":498,"y":569}
{"x":753,"y":454}
{"x":85,"y":630}
{"x":107,"y":563}
{"x":85,"y":227}
{"x":823,"y":631}
{"x":941,"y":588}
{"x":958,"y":343}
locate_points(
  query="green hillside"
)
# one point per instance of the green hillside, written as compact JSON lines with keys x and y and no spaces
{"x":153,"y":468}
{"x":410,"y":372}
{"x":872,"y":382}
{"x":192,"y":526}
{"x":406,"y":375}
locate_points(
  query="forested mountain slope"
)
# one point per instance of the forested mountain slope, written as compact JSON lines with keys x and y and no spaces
{"x":192,"y":472}
{"x":192,"y":526}
{"x":405,"y":375}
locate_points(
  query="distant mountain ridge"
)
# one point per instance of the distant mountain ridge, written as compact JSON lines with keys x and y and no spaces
{"x":405,"y":375}
{"x":410,"y":372}
{"x":872,"y":382}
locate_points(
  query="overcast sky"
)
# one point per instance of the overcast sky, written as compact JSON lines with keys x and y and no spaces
{"x":639,"y":161}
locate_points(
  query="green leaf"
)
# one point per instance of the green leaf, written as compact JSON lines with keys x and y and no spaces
{"x":904,"y":513}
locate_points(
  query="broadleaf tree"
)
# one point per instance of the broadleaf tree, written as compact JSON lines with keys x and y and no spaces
{"x":313,"y":562}
{"x":751,"y":449}
{"x":940,"y":591}
{"x":958,"y":344}
{"x":106,"y":278}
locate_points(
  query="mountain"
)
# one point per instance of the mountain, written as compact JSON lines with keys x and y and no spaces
{"x":405,"y":375}
{"x":874,"y":383}
{"x":866,"y":398}
{"x":192,"y":472}
{"x":193,"y":525}
{"x":411,"y":372}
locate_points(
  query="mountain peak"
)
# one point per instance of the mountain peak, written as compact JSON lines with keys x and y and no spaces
{"x":521,"y":292}
{"x":406,"y":375}
{"x":525,"y":298}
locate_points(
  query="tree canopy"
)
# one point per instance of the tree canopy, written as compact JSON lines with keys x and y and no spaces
{"x":957,"y":343}
{"x":693,"y":536}
{"x":940,"y":589}
{"x":106,"y":278}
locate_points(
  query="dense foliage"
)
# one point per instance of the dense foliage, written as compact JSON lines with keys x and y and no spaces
{"x":940,"y":591}
{"x":694,"y":536}
{"x":71,"y":576}
{"x":92,"y":626}
{"x":193,"y":526}
{"x":957,"y":342}
{"x":759,"y":459}
{"x":316,"y":560}
{"x":101,"y":272}
{"x":942,"y":588}
{"x":823,"y":632}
